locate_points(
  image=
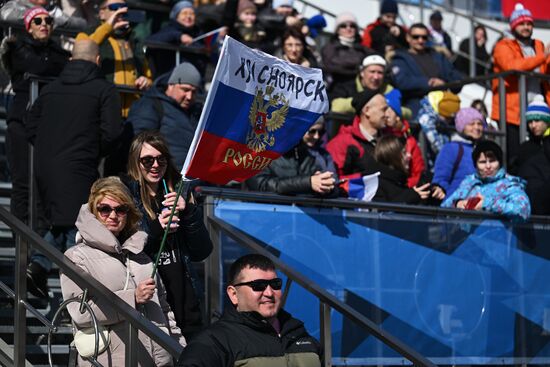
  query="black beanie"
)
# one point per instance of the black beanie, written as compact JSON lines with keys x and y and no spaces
{"x":360,"y":99}
{"x":388,"y":6}
{"x":482,"y":146}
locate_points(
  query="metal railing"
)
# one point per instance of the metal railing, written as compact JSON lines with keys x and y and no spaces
{"x":25,"y":237}
{"x":327,"y":301}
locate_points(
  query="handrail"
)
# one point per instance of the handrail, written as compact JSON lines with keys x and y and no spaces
{"x":48,"y":79}
{"x":172,"y":47}
{"x":323,"y":296}
{"x":265,"y":197}
{"x":24,"y":236}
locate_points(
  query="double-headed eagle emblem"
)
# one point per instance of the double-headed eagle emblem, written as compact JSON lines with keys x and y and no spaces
{"x":265,"y":118}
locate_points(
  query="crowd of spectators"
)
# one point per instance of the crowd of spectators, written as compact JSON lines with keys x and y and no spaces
{"x":388,"y":82}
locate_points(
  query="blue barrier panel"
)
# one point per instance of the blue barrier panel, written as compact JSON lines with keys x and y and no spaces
{"x":459,"y":291}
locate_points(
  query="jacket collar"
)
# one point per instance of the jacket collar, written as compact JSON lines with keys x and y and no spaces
{"x":94,"y":234}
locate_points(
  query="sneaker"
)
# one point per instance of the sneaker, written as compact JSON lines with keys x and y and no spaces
{"x":37,"y":280}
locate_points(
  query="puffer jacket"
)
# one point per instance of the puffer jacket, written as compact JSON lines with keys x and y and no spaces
{"x":350,"y":150}
{"x":247,"y":339}
{"x":446,"y":175}
{"x":507,"y":55}
{"x":99,"y":253}
{"x":291,"y":173}
{"x":502,"y":194}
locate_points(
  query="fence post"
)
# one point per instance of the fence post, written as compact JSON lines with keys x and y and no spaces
{"x":471,"y":44}
{"x":213,"y":281}
{"x":20,"y":312}
{"x":522,"y":106}
{"x":326,"y":332}
{"x":502,"y":114}
{"x":131,"y":346}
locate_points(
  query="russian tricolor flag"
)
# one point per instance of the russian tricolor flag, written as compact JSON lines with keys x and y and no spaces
{"x":363,"y":188}
{"x":258,"y":108}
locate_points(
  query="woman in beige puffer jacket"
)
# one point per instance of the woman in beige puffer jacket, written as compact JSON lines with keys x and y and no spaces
{"x":109,"y":248}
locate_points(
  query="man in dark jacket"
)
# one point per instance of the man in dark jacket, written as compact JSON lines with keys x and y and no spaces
{"x":170,"y":108}
{"x":33,"y":52}
{"x":255,"y":331}
{"x":419,"y":69}
{"x":72,"y":124}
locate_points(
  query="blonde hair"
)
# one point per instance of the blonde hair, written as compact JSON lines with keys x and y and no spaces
{"x":113,"y":188}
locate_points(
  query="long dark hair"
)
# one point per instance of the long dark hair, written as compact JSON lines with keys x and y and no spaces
{"x":389,"y":151}
{"x":172,"y":176}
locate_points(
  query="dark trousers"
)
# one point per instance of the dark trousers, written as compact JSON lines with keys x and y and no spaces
{"x":17,"y":150}
{"x":512,"y":146}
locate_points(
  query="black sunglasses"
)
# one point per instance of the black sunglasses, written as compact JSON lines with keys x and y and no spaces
{"x":149,"y":160}
{"x":312,"y":132}
{"x":347,"y":25}
{"x":116,"y":6}
{"x":106,"y":210}
{"x":38,"y":21}
{"x":418,"y":36}
{"x":260,"y":285}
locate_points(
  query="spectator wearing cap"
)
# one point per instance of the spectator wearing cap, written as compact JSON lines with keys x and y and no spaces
{"x":439,"y":39}
{"x":436,"y":113}
{"x":454,"y":161}
{"x":354,"y":144}
{"x":180,"y":31}
{"x":247,"y":29}
{"x":15,"y":10}
{"x":169,"y":106}
{"x":538,"y":121}
{"x":31,"y":52}
{"x":122,"y":61}
{"x":344,"y":53}
{"x":522,"y":52}
{"x":371,"y":76}
{"x":385,"y":35}
{"x":419,"y":69}
{"x":490,"y":188}
{"x":396,"y":125}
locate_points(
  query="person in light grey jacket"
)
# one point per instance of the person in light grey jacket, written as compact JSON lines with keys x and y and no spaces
{"x":109,"y":247}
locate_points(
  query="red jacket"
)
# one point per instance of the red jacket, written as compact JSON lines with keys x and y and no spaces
{"x":367,"y":40}
{"x":416,"y":164}
{"x":507,"y":55}
{"x":349,"y":150}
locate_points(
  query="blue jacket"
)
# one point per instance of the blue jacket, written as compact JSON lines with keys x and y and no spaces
{"x":411,"y":81}
{"x":502,"y":194}
{"x":429,"y":122}
{"x":445,"y":162}
{"x":156,"y":111}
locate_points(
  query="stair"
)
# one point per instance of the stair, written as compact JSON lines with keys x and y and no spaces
{"x":37,"y":333}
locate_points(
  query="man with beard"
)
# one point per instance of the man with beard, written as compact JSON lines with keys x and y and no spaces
{"x":121,"y":61}
{"x":519,"y":53}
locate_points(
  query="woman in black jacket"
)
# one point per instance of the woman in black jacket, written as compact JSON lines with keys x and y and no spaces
{"x":305,"y":169}
{"x":391,"y":159}
{"x":33,"y":52}
{"x":152,"y":182}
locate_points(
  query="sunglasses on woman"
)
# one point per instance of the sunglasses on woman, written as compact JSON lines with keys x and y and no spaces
{"x":148,"y":161}
{"x":312,"y":132}
{"x":47,"y":20}
{"x":348,"y":25}
{"x":105,"y":210}
{"x":116,"y":6}
{"x":260,"y":285}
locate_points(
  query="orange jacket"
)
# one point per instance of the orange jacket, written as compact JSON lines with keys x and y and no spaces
{"x":507,"y":55}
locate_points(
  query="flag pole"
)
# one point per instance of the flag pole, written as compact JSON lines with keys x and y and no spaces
{"x":183,"y":183}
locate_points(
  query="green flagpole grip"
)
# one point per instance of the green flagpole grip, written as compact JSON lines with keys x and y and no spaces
{"x":184,"y":183}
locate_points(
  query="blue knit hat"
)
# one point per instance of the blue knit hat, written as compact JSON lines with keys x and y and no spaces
{"x":315,"y":24}
{"x":538,"y":110}
{"x":179,"y":6}
{"x":388,"y":6}
{"x":393,"y":98}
